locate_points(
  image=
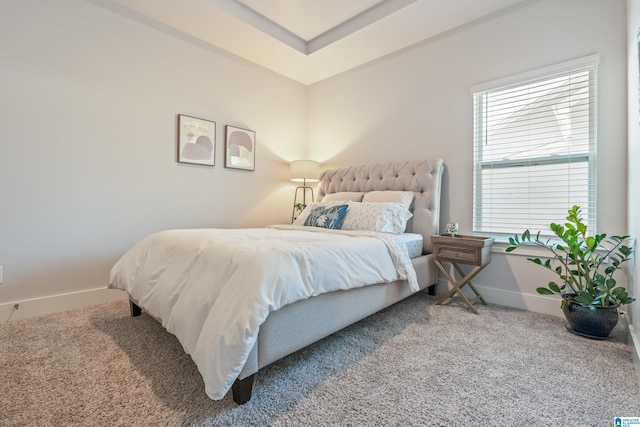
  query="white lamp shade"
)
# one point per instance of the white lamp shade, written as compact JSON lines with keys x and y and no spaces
{"x":302,"y":170}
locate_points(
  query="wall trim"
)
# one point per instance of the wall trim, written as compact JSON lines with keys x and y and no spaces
{"x":57,"y":303}
{"x":634,"y":343}
{"x":535,"y":303}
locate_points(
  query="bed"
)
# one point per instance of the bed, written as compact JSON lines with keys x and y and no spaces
{"x":171,"y":275}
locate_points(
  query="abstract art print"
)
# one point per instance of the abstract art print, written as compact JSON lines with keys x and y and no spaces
{"x":240,"y":148}
{"x":196,"y":141}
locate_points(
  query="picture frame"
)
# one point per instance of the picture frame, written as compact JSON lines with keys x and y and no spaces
{"x":240,"y":148}
{"x":196,"y":140}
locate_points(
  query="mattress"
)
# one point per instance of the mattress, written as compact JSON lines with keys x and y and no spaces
{"x":413,"y":243}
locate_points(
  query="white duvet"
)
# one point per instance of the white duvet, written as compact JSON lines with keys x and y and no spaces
{"x":213,"y":288}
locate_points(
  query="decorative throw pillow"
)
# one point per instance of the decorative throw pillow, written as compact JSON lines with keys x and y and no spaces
{"x":403,"y":197}
{"x":327,"y":216}
{"x":302,"y":218}
{"x":377,"y":216}
{"x":344,"y":196}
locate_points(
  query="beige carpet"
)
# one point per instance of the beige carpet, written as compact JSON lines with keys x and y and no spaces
{"x":414,"y":364}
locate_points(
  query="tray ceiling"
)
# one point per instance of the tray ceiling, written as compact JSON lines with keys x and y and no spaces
{"x":307,"y":40}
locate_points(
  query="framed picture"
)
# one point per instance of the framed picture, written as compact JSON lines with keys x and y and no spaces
{"x":240,"y":148}
{"x":196,"y":141}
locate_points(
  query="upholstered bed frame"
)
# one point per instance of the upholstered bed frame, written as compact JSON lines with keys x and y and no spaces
{"x":298,"y":325}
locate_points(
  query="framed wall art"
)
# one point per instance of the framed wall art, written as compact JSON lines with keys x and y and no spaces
{"x":240,"y":148}
{"x":196,"y":141}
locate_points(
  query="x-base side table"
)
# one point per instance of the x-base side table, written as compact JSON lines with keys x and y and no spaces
{"x":461,"y":249}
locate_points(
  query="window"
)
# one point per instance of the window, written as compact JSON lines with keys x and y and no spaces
{"x":534,"y":148}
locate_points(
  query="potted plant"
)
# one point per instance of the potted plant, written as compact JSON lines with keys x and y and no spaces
{"x":299,"y":207}
{"x":297,"y":210}
{"x":585,"y":265}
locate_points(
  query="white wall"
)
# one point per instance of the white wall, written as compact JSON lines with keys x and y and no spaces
{"x":417,"y":104}
{"x":88,"y":109}
{"x":633,"y":90}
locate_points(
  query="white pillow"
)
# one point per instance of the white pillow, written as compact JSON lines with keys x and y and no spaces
{"x":300,"y":220}
{"x":345,"y":196}
{"x":377,"y":216}
{"x":403,"y":197}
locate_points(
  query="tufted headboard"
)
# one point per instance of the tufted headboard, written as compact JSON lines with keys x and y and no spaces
{"x":423,"y":177}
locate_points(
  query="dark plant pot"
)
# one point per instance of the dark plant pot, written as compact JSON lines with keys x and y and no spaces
{"x":595,"y":322}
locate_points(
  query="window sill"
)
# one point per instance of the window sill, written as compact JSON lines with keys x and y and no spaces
{"x":501,"y":243}
{"x":500,"y":246}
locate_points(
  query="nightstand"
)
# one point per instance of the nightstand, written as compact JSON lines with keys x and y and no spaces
{"x":461,"y":249}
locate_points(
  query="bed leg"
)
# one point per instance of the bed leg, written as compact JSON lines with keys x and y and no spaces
{"x":241,"y":390}
{"x":431,"y":290}
{"x":135,"y":310}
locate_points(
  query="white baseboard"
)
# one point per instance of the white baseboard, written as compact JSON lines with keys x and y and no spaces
{"x":634,"y":343}
{"x":62,"y":302}
{"x":536,"y":303}
{"x":17,"y":310}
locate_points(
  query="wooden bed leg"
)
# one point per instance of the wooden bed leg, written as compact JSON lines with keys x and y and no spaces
{"x":431,"y":290}
{"x":241,"y":390}
{"x":135,"y":310}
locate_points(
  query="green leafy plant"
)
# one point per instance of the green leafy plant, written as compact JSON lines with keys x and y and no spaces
{"x":585,"y":264}
{"x":299,"y":207}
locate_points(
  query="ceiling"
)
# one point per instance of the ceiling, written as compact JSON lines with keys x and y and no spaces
{"x":307,"y":40}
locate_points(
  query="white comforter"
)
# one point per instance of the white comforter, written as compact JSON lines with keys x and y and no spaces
{"x":213,"y":288}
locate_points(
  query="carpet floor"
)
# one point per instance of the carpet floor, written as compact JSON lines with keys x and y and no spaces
{"x":413,"y":364}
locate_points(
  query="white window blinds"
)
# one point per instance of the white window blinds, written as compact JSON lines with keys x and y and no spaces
{"x":534,"y":148}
